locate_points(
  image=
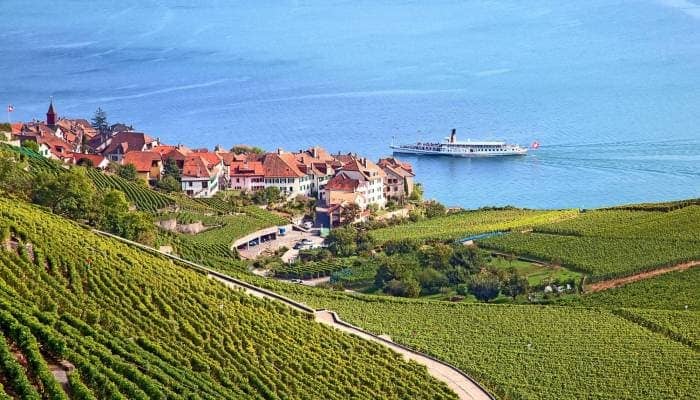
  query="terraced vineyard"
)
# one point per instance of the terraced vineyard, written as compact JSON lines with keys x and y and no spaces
{"x":671,"y":291}
{"x":530,"y":352}
{"x":265,"y":216}
{"x":217,"y":204}
{"x":665,"y":206}
{"x":38,"y":162}
{"x":142,"y":197}
{"x":233,"y":227}
{"x":459,"y":225}
{"x":682,"y":326}
{"x":679,"y":225}
{"x":609,"y":244}
{"x":137,"y":327}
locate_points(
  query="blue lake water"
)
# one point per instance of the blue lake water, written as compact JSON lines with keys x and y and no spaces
{"x":611,"y":89}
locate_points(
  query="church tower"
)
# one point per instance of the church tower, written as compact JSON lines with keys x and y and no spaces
{"x":51,"y":116}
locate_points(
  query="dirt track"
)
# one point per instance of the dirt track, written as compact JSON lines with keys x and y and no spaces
{"x":613,"y":283}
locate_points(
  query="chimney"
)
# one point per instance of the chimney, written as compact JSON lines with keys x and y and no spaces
{"x":279,"y":151}
{"x":314,"y":152}
{"x":453,"y":135}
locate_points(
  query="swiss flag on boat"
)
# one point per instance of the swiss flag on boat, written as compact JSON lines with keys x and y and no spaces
{"x":535,"y":145}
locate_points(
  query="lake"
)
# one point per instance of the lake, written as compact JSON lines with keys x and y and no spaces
{"x":611,"y":89}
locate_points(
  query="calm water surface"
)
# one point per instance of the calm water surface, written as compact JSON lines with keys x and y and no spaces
{"x":610,"y":88}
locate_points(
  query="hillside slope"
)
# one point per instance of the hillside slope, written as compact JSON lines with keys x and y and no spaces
{"x":535,"y":352}
{"x":136,"y":327}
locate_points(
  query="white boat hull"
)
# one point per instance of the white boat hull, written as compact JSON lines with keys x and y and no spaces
{"x":405,"y":150}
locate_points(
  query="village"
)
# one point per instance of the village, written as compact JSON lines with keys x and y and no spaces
{"x":343,"y":186}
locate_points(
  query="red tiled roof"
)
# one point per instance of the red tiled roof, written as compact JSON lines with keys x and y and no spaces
{"x":362,"y":165}
{"x":196,"y":166}
{"x":16,"y":127}
{"x":95,"y":158}
{"x":394,"y":163}
{"x":344,"y":158}
{"x":164,"y":149}
{"x":57,"y":146}
{"x":210,"y":158}
{"x":247,"y":168}
{"x":142,"y":160}
{"x":281,"y":165}
{"x":227,"y":157}
{"x":178,"y":153}
{"x":313,"y":154}
{"x":127,"y":141}
{"x":342,"y":183}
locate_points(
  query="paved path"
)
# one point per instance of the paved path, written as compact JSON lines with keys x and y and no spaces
{"x":458,"y":381}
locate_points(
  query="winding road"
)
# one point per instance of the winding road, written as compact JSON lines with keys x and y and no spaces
{"x":465,"y":387}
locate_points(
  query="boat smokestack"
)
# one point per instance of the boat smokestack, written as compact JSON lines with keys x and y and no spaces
{"x":453,"y":135}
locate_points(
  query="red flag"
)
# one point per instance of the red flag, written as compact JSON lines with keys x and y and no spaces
{"x":535,"y":145}
{"x":10,"y":108}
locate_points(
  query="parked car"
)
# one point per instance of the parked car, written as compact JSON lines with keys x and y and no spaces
{"x":298,"y":246}
{"x":306,"y":241}
{"x":308,"y":224}
{"x":253,"y":243}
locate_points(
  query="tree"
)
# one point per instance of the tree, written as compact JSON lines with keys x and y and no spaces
{"x":400,"y":246}
{"x":99,"y":121}
{"x":127,"y":172}
{"x":399,"y":267}
{"x":70,"y":194}
{"x":13,"y":177}
{"x":5,"y":131}
{"x":514,"y":284}
{"x":271,"y":194}
{"x":417,"y":193}
{"x":437,"y":256}
{"x":31,"y":145}
{"x":169,"y":184}
{"x":434,"y":209}
{"x":484,"y":286}
{"x":431,"y":280}
{"x":115,"y":206}
{"x":349,"y":213}
{"x":406,"y":288}
{"x":171,"y":169}
{"x":342,"y":241}
{"x":139,"y":226}
{"x":243,"y":149}
{"x":117,"y":219}
{"x":467,"y":257}
{"x":86,"y":162}
{"x":171,"y":177}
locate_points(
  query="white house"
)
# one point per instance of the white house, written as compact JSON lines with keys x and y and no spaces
{"x":202,"y":174}
{"x":282,"y":171}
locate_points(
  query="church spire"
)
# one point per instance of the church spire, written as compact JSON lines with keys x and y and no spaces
{"x":51,"y":116}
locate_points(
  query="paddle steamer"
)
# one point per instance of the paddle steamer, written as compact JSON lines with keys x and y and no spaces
{"x":452,"y":147}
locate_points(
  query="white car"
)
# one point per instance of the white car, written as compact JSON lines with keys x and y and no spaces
{"x":308,"y":224}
